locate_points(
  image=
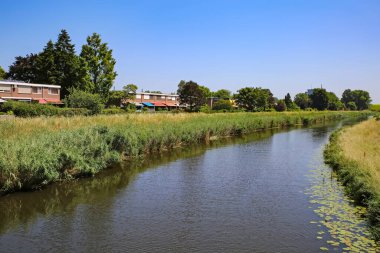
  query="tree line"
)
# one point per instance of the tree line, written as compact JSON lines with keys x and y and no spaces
{"x":256,"y":99}
{"x":58,"y":64}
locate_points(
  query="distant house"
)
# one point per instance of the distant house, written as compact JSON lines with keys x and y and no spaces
{"x":30,"y":92}
{"x":155,"y":101}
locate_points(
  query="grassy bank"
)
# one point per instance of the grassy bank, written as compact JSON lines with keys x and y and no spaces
{"x":38,"y":151}
{"x":355,"y":155}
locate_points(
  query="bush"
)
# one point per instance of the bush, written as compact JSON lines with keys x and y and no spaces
{"x":82,"y":99}
{"x":25,"y":109}
{"x":222,"y":105}
{"x":351,"y":106}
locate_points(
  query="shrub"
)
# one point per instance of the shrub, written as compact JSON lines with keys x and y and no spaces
{"x":351,"y":106}
{"x":25,"y":109}
{"x":82,"y":99}
{"x":222,"y":105}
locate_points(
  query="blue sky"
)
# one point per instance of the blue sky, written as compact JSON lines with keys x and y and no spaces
{"x":286,"y":46}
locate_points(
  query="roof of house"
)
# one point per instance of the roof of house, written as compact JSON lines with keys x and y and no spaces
{"x":29,"y":84}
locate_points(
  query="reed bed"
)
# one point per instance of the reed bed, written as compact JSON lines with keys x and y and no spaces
{"x":38,"y":151}
{"x":355,"y":154}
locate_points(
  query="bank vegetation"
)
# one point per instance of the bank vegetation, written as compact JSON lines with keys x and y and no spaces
{"x":38,"y":151}
{"x":354,"y":153}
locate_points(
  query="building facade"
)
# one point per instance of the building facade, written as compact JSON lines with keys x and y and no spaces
{"x":155,"y":101}
{"x":40,"y":93}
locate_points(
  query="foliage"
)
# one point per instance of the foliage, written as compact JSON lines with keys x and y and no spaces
{"x":206,"y":91}
{"x":302,"y":100}
{"x":319,"y":99}
{"x":254,"y":99}
{"x":222,"y":94}
{"x":25,"y":109}
{"x":358,"y":174}
{"x":2,"y":73}
{"x":334,"y":103}
{"x":192,"y":94}
{"x":361,"y":98}
{"x":222,"y":105}
{"x":281,"y":106}
{"x":100,"y":65}
{"x":351,"y":106}
{"x":82,"y":99}
{"x":288,"y":101}
{"x":153,"y":91}
{"x":24,"y":68}
{"x":40,"y":151}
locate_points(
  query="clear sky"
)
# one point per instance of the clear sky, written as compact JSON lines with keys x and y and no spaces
{"x":286,"y":46}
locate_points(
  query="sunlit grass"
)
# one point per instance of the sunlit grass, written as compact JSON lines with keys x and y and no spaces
{"x":361,"y":143}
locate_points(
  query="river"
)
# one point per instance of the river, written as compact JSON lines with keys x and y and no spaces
{"x":250,"y":194}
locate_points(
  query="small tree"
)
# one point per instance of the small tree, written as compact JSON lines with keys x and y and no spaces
{"x":288,"y":101}
{"x":319,"y":99}
{"x":222,"y":94}
{"x":83,"y":99}
{"x":302,"y":100}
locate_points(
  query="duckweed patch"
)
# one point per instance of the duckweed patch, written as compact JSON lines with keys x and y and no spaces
{"x":342,"y":225}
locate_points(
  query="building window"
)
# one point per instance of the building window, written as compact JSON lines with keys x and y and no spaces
{"x":24,"y":89}
{"x":163,"y":97}
{"x":138,"y":96}
{"x":173,"y":98}
{"x":53,"y":91}
{"x":37,"y":90}
{"x":146,"y":97}
{"x":5,"y":88}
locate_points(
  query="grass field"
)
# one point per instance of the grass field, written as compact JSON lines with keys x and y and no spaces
{"x":375,"y":108}
{"x":38,"y":151}
{"x":355,"y":154}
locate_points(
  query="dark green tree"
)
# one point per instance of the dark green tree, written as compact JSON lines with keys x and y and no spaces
{"x":2,"y":73}
{"x":288,"y":101}
{"x":206,"y":91}
{"x":334,"y":102}
{"x":254,"y":99}
{"x":46,"y":72}
{"x":70,"y":71}
{"x":319,"y":99}
{"x":100,"y":65}
{"x":361,"y":98}
{"x":191,"y":94}
{"x":351,"y":106}
{"x":24,"y":69}
{"x":302,"y":100}
{"x":222,"y":94}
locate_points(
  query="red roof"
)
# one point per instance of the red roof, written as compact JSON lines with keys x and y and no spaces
{"x":171,"y":104}
{"x":42,"y":101}
{"x":158,"y":104}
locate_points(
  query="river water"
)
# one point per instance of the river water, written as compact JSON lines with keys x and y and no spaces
{"x":249,"y":194}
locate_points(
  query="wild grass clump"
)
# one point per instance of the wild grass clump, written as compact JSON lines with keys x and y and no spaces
{"x":375,"y":108}
{"x":42,"y":150}
{"x":354,"y":153}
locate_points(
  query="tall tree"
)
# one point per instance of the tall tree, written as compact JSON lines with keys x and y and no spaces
{"x":2,"y":73}
{"x":334,"y":102}
{"x":24,"y":68}
{"x":191,"y":94}
{"x":288,"y":101}
{"x":222,"y":94}
{"x":302,"y":100}
{"x":319,"y":99}
{"x":46,"y":65}
{"x":100,"y":65}
{"x":70,"y":71}
{"x":254,"y":99}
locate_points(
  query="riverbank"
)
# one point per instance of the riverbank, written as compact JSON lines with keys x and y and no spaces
{"x":38,"y":151}
{"x":353,"y":152}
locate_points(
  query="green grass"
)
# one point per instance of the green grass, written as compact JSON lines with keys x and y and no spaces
{"x":354,"y":153}
{"x":375,"y":108}
{"x":38,"y":151}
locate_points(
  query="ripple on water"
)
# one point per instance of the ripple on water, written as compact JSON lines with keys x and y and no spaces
{"x":342,"y":225}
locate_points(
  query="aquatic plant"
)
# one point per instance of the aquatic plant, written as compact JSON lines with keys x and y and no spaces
{"x":38,"y":151}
